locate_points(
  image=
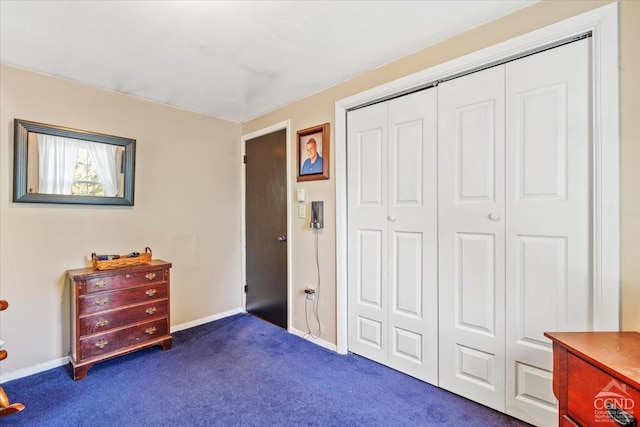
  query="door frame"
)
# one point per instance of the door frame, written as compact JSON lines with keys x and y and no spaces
{"x":243,"y":203}
{"x":602,"y":23}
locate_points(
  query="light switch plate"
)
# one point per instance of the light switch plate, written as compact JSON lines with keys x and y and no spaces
{"x":301,"y":195}
{"x":302,"y":211}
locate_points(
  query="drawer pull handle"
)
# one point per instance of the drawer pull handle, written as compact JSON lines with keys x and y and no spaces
{"x":102,"y":301}
{"x":150,"y":330}
{"x":128,"y":276}
{"x":101,"y":283}
{"x":620,"y":416}
{"x":102,"y":343}
{"x":101,"y":323}
{"x":150,"y":310}
{"x":150,"y":276}
{"x":150,"y":292}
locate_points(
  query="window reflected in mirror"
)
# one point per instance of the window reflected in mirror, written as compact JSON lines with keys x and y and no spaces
{"x":62,"y":165}
{"x":68,"y":166}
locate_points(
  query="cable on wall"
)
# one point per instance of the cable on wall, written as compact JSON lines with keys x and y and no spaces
{"x":316,"y":301}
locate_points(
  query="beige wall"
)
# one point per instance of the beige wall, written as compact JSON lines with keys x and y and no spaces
{"x":319,"y":108}
{"x":630,"y":158}
{"x":187,"y":209}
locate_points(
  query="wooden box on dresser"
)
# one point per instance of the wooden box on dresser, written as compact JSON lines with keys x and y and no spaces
{"x":596,"y":378}
{"x":114,"y":312}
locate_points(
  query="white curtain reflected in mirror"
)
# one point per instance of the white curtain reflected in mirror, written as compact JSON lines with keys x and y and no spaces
{"x":57,"y":164}
{"x":103,"y":158}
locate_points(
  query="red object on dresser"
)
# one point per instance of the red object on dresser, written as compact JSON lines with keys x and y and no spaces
{"x":596,"y":378}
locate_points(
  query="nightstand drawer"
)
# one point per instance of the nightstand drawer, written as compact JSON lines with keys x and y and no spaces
{"x":107,"y":320}
{"x":594,"y":396}
{"x":117,"y":340}
{"x":95,"y":303}
{"x":119,"y":281}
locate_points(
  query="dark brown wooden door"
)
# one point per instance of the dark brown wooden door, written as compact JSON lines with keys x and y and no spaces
{"x":266,"y":227}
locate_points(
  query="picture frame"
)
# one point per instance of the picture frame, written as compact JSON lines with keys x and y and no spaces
{"x":313,"y":153}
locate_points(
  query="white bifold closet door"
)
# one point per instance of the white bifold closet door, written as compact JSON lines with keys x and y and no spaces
{"x":472,"y":247}
{"x":392,"y":233}
{"x":549,"y":223}
{"x":515,"y":215}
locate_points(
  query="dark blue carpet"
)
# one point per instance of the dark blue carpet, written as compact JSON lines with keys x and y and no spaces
{"x":240,"y":371}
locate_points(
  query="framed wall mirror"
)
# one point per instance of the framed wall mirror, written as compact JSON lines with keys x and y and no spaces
{"x":55,"y":164}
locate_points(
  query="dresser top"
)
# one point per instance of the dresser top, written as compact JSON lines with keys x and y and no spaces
{"x":613,"y":352}
{"x":90,"y":271}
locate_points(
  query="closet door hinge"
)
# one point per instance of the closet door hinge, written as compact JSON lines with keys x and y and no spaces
{"x":244,"y":159}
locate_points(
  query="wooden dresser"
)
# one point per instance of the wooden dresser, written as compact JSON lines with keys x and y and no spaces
{"x":596,"y":378}
{"x":114,"y":312}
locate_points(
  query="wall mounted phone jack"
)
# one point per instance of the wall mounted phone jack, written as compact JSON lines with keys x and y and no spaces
{"x":317,"y":215}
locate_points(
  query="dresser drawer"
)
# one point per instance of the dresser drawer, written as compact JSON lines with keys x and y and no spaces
{"x":124,"y":280}
{"x":102,"y":344}
{"x":95,"y":303}
{"x":107,"y":320}
{"x":592,"y":394}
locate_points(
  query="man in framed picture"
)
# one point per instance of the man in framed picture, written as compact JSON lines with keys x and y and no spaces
{"x":313,"y":164}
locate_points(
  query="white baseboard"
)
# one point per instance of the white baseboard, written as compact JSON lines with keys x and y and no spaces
{"x":317,"y":341}
{"x":40,"y":367}
{"x":207,"y":319}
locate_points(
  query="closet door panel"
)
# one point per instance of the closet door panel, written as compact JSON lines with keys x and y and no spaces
{"x":549,"y":219}
{"x":370,"y":174}
{"x":471,"y":240}
{"x":412,"y":225}
{"x":475,"y":266}
{"x":367,"y":234}
{"x":475,"y":152}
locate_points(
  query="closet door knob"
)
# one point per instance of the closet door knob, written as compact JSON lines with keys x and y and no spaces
{"x":391,"y":218}
{"x":494,"y":216}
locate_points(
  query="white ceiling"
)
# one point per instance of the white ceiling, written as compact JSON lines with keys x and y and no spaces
{"x":234,"y":60}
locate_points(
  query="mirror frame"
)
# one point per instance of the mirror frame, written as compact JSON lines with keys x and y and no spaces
{"x":21,"y":137}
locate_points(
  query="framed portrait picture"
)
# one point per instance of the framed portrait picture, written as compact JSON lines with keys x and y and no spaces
{"x":313,"y":153}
